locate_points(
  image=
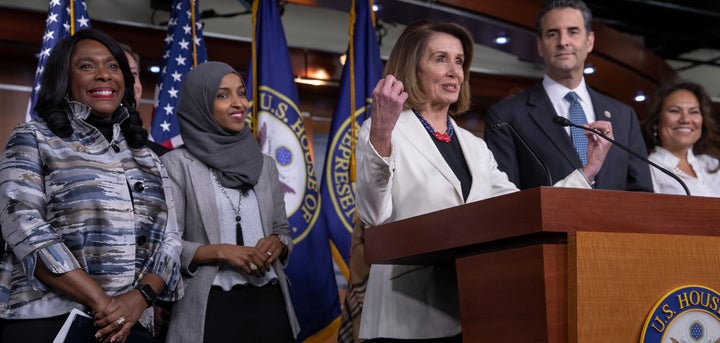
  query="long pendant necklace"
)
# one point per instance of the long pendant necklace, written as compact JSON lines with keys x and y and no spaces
{"x":443,"y":137}
{"x":238,"y":227}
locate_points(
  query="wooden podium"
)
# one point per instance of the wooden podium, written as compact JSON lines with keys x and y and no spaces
{"x":561,"y":265}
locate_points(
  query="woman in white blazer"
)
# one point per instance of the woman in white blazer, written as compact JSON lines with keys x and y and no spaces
{"x":412,"y":159}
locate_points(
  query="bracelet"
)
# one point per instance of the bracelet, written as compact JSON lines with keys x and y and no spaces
{"x":147,"y":293}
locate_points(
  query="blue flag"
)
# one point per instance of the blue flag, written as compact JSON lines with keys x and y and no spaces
{"x":184,"y":49}
{"x":65,"y":17}
{"x":363,"y":69}
{"x":278,"y":123}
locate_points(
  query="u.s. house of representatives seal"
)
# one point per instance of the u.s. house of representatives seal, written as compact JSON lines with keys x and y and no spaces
{"x":282,"y":135}
{"x":687,"y":314}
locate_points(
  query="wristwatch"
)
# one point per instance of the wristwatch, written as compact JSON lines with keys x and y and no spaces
{"x":147,"y":293}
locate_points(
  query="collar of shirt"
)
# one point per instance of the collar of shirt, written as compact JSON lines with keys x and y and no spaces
{"x":556,"y":92}
{"x":670,"y":161}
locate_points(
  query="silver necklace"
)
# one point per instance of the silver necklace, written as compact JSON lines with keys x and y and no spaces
{"x":682,"y":173}
{"x":679,"y":171}
{"x":238,"y":227}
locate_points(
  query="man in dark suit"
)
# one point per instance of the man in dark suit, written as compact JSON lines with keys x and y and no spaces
{"x":564,"y":40}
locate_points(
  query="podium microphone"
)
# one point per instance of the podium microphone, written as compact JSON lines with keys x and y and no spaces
{"x":499,"y":124}
{"x":562,"y":121}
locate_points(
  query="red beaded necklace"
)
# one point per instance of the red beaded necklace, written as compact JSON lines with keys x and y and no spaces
{"x":444,"y":137}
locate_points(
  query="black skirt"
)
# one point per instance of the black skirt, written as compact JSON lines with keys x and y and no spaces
{"x":45,"y":330}
{"x":248,"y":314}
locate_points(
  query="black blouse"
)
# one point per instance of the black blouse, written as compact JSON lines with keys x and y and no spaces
{"x":453,"y":155}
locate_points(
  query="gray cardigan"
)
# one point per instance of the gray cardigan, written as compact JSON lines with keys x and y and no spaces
{"x":198,"y":220}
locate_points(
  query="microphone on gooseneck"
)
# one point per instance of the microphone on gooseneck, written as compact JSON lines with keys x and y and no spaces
{"x":565,"y":122}
{"x":499,"y":124}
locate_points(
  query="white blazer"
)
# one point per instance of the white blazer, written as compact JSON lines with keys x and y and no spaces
{"x":419,"y":302}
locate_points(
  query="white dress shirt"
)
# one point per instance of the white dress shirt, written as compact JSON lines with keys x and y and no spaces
{"x":227,"y":275}
{"x":705,"y":184}
{"x":556,"y":92}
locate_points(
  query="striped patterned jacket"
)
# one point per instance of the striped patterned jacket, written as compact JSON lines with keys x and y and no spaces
{"x":82,"y":202}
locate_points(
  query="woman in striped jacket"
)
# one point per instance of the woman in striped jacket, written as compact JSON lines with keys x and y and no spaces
{"x":85,"y":214}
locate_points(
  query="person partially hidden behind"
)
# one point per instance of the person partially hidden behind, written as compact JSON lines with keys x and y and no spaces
{"x":86,"y":211}
{"x":134,"y":62}
{"x":410,"y":149}
{"x":162,"y":308}
{"x":682,"y":136}
{"x":236,"y":238}
{"x":564,"y":39}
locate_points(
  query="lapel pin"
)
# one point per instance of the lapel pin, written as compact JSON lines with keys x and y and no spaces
{"x":607,"y":114}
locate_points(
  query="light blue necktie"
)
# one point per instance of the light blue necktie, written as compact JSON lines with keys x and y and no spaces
{"x":577,"y":116}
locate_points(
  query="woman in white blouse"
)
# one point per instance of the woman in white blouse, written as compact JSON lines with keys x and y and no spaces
{"x":682,"y":136}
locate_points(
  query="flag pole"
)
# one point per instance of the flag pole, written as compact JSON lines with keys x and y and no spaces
{"x":72,"y":17}
{"x":255,"y":114}
{"x":353,"y":122}
{"x":194,"y":32}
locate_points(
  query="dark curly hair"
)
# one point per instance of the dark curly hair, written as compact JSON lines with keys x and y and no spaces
{"x":709,"y":142}
{"x":52,"y":103}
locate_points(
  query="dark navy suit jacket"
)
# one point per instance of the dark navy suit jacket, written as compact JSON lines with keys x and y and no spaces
{"x":531,"y":113}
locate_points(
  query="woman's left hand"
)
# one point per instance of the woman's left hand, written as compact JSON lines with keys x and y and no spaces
{"x":116,"y":319}
{"x":597,"y":148}
{"x":272,"y":247}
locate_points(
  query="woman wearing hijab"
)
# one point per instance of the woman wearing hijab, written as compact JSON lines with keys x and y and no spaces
{"x":236,"y":239}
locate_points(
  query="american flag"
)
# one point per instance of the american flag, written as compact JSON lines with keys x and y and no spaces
{"x":65,"y":17}
{"x":184,"y":49}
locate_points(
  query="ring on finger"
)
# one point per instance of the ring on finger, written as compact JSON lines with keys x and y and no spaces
{"x":253,"y":267}
{"x":268,"y":253}
{"x":120,"y":322}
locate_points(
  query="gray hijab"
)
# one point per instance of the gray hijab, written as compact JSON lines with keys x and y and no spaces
{"x":235,"y":156}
